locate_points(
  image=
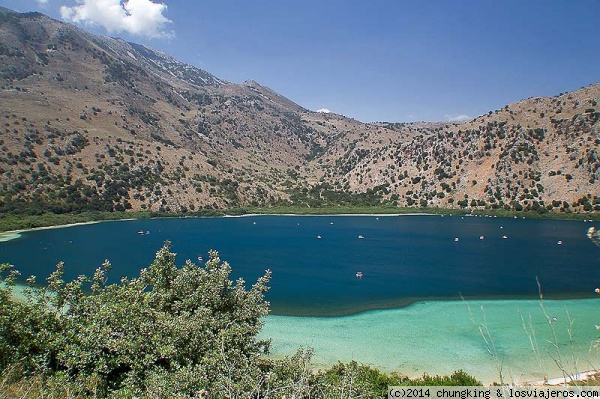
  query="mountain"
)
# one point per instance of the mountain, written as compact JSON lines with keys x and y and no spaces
{"x":96,"y":123}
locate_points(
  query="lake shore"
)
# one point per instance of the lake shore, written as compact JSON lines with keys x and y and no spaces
{"x":20,"y":223}
{"x":336,"y":214}
{"x":12,"y":225}
{"x":14,"y":234}
{"x":565,"y":380}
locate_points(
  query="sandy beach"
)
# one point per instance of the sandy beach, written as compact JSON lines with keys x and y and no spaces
{"x":13,"y":234}
{"x":559,"y":381}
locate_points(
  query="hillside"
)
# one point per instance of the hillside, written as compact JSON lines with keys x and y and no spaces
{"x":94,"y":123}
{"x":537,"y":153}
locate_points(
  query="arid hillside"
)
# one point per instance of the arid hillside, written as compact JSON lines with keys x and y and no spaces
{"x":94,"y":123}
{"x":537,"y":153}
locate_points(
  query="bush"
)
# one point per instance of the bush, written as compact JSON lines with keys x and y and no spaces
{"x":170,"y":331}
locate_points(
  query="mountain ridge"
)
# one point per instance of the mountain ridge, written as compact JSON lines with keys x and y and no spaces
{"x":97,"y":123}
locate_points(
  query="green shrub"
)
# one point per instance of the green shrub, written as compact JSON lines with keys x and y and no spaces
{"x":169,"y":331}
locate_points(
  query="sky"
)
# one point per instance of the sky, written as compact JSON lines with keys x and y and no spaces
{"x":371,"y":60}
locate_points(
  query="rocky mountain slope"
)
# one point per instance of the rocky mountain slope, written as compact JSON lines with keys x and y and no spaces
{"x":94,"y":123}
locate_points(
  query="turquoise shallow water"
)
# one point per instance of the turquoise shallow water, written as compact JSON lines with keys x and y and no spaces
{"x":441,"y":337}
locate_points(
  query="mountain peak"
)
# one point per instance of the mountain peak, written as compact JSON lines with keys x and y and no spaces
{"x":4,"y":10}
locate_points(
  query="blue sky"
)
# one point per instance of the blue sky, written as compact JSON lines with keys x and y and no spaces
{"x":372,"y":60}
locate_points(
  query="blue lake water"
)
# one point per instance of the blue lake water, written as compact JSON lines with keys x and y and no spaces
{"x":404,"y":260}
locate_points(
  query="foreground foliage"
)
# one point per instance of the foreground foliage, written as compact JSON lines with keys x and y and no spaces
{"x":170,"y":332}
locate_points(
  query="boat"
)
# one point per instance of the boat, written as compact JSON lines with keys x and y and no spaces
{"x":147,"y":231}
{"x":359,"y":274}
{"x":360,"y":237}
{"x":141,"y":232}
{"x":455,"y":239}
{"x":505,"y":237}
{"x":481,"y":237}
{"x":319,"y":237}
{"x":559,"y":242}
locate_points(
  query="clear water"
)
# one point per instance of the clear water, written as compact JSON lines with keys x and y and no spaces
{"x":409,"y":260}
{"x":440,"y":337}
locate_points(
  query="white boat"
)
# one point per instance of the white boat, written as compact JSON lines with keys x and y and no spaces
{"x":481,"y":237}
{"x":559,"y":242}
{"x":505,"y":237}
{"x":456,"y":239}
{"x":141,"y":232}
{"x":360,"y":237}
{"x":359,"y":274}
{"x":319,"y":237}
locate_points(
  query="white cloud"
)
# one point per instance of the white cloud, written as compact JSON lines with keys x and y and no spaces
{"x":138,"y":17}
{"x":457,"y":118}
{"x":324,"y":111}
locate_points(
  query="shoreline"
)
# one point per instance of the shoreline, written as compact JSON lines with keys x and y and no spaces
{"x":565,"y":380}
{"x":14,"y":234}
{"x":331,"y":214}
{"x":20,"y":223}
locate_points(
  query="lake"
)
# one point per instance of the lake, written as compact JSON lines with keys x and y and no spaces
{"x":404,"y":313}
